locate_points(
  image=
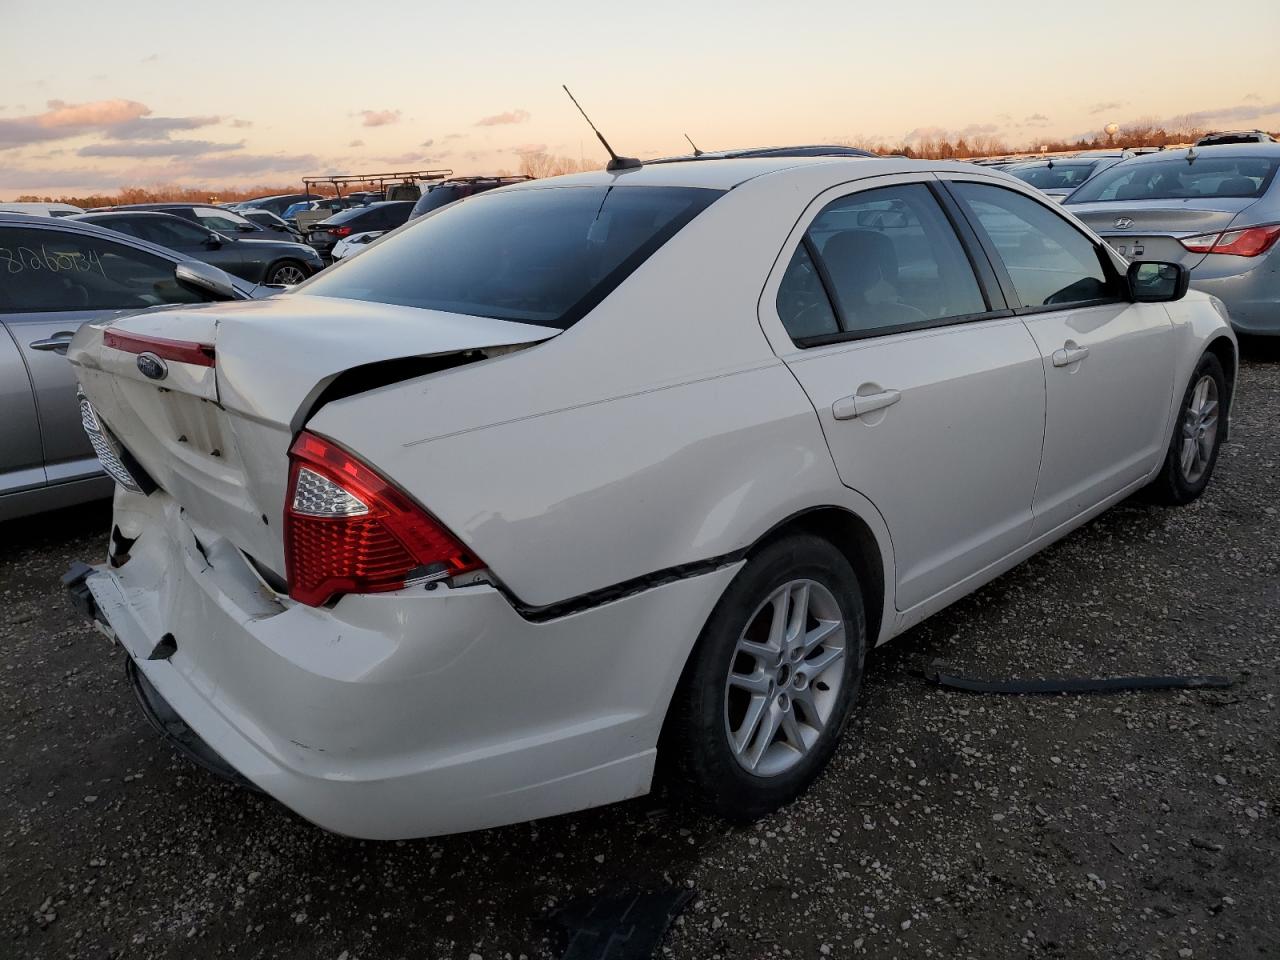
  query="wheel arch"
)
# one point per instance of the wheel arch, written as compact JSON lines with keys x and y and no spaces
{"x":852,"y":536}
{"x":1224,"y":349}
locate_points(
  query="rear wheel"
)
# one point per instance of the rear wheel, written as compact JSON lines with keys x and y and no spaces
{"x":1197,"y":437}
{"x":771,"y":681}
{"x":287,"y":272}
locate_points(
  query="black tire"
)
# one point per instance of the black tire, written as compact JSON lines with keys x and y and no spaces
{"x":1174,"y":486}
{"x":696,"y":736}
{"x":288,"y":267}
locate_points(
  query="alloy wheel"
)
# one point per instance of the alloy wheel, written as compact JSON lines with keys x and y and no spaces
{"x":1199,"y":430}
{"x":288,"y":275}
{"x":785,"y":677}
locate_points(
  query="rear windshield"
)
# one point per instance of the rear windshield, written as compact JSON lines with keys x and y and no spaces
{"x":1177,"y":179}
{"x":546,"y":255}
{"x":435,"y":198}
{"x":1060,"y":176}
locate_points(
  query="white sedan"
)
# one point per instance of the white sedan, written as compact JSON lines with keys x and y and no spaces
{"x":620,"y":467}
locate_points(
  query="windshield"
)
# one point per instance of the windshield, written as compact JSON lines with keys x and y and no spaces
{"x":546,"y":255}
{"x":1177,"y":179}
{"x":436,"y":198}
{"x":1060,"y":176}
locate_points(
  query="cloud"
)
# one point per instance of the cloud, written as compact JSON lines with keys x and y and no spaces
{"x":1251,"y":96}
{"x":978,"y":129}
{"x":243,"y":165}
{"x":62,"y":120}
{"x":157,"y":128}
{"x":356,"y":143}
{"x":379,"y":118}
{"x":157,"y":148}
{"x":927,"y":133}
{"x":1105,"y":107}
{"x":1037,"y":120}
{"x":151,"y":59}
{"x":13,"y":177}
{"x":529,"y":148}
{"x":426,"y":143}
{"x":454,"y":136}
{"x":502,"y":119}
{"x":113,"y":119}
{"x":1243,"y":112}
{"x":241,"y":123}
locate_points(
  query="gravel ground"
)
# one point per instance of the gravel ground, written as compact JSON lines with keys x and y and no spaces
{"x":950,"y":825}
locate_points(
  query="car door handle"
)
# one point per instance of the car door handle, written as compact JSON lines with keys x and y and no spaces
{"x":859,"y":405}
{"x":1070,"y":353}
{"x":58,"y":342}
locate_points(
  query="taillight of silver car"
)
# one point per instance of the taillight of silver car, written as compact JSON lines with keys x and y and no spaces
{"x":349,"y":530}
{"x":1249,"y":242}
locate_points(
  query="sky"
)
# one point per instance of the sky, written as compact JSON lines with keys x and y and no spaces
{"x":98,"y":96}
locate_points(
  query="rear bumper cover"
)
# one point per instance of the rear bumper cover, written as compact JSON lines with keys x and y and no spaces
{"x":1250,"y":287}
{"x":399,"y":715}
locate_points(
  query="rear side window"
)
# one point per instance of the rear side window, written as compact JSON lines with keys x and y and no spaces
{"x":1049,"y":261}
{"x":888,"y":259}
{"x":546,"y":255}
{"x":45,"y":271}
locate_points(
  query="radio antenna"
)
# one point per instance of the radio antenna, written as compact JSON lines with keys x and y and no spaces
{"x":696,"y":151}
{"x":615,"y":162}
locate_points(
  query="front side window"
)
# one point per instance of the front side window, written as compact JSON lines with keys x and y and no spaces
{"x":45,"y":271}
{"x":545,"y":255}
{"x":223,"y":221}
{"x":1176,"y":178}
{"x":888,"y":259}
{"x":1049,"y":261}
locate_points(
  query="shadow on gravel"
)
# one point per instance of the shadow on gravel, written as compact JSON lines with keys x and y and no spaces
{"x":55,"y":528}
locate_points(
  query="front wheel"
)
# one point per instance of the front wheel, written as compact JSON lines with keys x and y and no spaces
{"x":771,"y":681}
{"x":287,"y":272}
{"x":1197,"y":437}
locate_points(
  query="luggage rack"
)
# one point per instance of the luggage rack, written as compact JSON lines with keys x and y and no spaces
{"x":375,"y":182}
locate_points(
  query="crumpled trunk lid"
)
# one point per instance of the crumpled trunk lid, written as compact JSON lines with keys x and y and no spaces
{"x":216,"y":438}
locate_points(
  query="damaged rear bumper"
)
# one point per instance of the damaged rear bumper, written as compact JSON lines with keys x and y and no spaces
{"x":393,"y":715}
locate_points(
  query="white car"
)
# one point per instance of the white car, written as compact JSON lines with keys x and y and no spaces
{"x":350,"y":246}
{"x":37,"y":209}
{"x":590,"y":472}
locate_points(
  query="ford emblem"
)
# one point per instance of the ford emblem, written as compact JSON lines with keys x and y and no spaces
{"x":1123,"y":223}
{"x":152,"y":367}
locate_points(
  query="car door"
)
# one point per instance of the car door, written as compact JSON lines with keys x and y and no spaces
{"x":52,"y":281}
{"x":21,"y":457}
{"x":1108,"y":363}
{"x":929,"y":391}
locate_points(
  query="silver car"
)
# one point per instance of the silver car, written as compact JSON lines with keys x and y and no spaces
{"x":1216,"y":210}
{"x":1059,"y":177}
{"x":54,"y":276}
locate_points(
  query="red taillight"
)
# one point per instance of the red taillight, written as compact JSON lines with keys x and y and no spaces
{"x":347,"y":530}
{"x":183,"y":351}
{"x":1249,"y":242}
{"x":340,"y":231}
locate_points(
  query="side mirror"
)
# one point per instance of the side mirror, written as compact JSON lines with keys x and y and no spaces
{"x":205,"y":278}
{"x":1153,"y":281}
{"x":246,"y":228}
{"x":213,"y":241}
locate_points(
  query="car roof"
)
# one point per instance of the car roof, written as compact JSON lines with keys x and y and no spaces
{"x":803,"y":150}
{"x":117,"y":212}
{"x":729,"y":173}
{"x":1226,"y":150}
